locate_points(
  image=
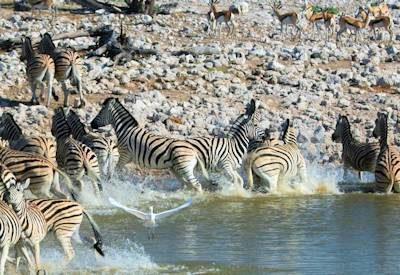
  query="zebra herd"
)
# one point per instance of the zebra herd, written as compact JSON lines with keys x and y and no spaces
{"x":35,"y":163}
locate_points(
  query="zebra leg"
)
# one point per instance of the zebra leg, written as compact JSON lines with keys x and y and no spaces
{"x":36,"y":249}
{"x":82,"y":101}
{"x":66,"y":244}
{"x":34,"y":99}
{"x":49,"y":79}
{"x":4,"y":255}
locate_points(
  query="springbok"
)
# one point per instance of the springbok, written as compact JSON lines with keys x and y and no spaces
{"x":353,"y":24}
{"x":218,"y":17}
{"x":289,"y":18}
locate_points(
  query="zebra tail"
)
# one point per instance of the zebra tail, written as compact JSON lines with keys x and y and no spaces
{"x":203,"y":168}
{"x":92,"y":174}
{"x":68,"y":181}
{"x":98,"y":246}
{"x":75,"y":77}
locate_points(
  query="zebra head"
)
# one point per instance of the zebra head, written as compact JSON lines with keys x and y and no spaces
{"x":15,"y":194}
{"x":46,"y":45}
{"x":247,"y":124}
{"x":27,"y":49}
{"x":9,"y":129}
{"x":342,"y":127}
{"x":104,"y":117}
{"x":288,"y":135}
{"x":7,"y":179}
{"x":380,"y":125}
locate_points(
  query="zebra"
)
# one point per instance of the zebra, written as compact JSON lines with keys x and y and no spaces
{"x":218,"y":154}
{"x":10,"y":232}
{"x":356,"y":155}
{"x":74,"y":157}
{"x":7,"y":178}
{"x":39,"y":68}
{"x":387,"y":171}
{"x":274,"y":164}
{"x":32,"y":220}
{"x":67,"y":63}
{"x":39,"y":145}
{"x":44,"y":175}
{"x":63,"y":217}
{"x":105,"y":148}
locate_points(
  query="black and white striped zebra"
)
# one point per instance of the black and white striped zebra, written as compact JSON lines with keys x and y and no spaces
{"x":32,"y":220}
{"x":43,"y":174}
{"x":10,"y":232}
{"x":39,"y":145}
{"x":39,"y":68}
{"x":63,"y":217}
{"x":7,"y":178}
{"x":74,"y":157}
{"x":218,"y":154}
{"x":356,"y":155}
{"x":67,"y":63}
{"x":272,"y":165}
{"x":105,"y":148}
{"x":387,"y":170}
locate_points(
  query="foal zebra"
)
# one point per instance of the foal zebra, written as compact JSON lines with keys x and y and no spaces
{"x":356,"y":155}
{"x":105,"y":148}
{"x":44,"y":175}
{"x":64,"y":218}
{"x":38,"y":145}
{"x":387,"y":171}
{"x":74,"y":157}
{"x":10,"y":232}
{"x":30,"y":217}
{"x":274,"y":164}
{"x":67,"y":63}
{"x":39,"y":68}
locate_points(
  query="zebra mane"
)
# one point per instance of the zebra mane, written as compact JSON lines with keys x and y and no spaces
{"x":242,"y":119}
{"x":115,"y":101}
{"x":8,"y":120}
{"x":78,"y":126}
{"x":27,"y":49}
{"x":346,"y":121}
{"x":46,"y":44}
{"x":288,"y":132}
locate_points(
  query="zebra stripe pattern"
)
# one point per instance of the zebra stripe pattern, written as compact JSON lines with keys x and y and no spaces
{"x":218,"y":154}
{"x":356,"y":155}
{"x":64,"y":217}
{"x":272,"y":165}
{"x":74,"y":157}
{"x":39,"y":68}
{"x":387,"y":171}
{"x":33,"y":223}
{"x":10,"y":131}
{"x":42,"y":173}
{"x":135,"y":143}
{"x":67,"y":66}
{"x":105,"y":148}
{"x":10,"y":232}
{"x":7,"y":179}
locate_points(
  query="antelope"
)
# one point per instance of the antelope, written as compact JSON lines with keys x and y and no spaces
{"x":289,"y":18}
{"x":37,"y":4}
{"x":313,"y":17}
{"x":353,"y":24}
{"x":381,"y":9}
{"x":218,"y":17}
{"x":380,"y":22}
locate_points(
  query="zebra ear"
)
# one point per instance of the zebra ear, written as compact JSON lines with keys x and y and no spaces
{"x":251,"y":108}
{"x":26,"y":184}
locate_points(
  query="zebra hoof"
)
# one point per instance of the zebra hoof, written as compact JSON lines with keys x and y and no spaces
{"x":41,"y":272}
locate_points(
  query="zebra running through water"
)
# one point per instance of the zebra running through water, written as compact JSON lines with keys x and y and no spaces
{"x":272,"y":165}
{"x":32,"y":220}
{"x":74,"y":157}
{"x":67,"y":64}
{"x":387,"y":171}
{"x":356,"y":155}
{"x":38,"y":145}
{"x":219,"y":154}
{"x":105,"y":148}
{"x":63,"y":217}
{"x":44,"y":175}
{"x":39,"y":68}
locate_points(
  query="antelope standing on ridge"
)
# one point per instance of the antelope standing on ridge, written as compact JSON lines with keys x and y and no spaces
{"x":218,"y":17}
{"x":381,"y":9}
{"x":289,"y":18}
{"x":328,"y":18}
{"x":353,"y":24}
